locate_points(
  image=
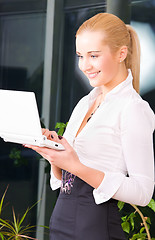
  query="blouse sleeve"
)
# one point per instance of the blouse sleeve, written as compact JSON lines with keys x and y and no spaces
{"x":54,"y":182}
{"x":137,"y":126}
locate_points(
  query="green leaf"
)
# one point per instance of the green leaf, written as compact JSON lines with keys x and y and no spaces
{"x":131,"y":219}
{"x":153,"y":238}
{"x":124,"y":218}
{"x":139,"y":236}
{"x":120,"y":205}
{"x":61,"y":126}
{"x":22,"y":219}
{"x":2,"y":236}
{"x":142,"y":229}
{"x":148,"y":220}
{"x":2,"y":200}
{"x":44,"y":226}
{"x":126,"y":227}
{"x":60,"y":131}
{"x":148,"y":225}
{"x":152,"y":204}
{"x":132,"y":215}
{"x":15,"y":222}
{"x":6,"y":224}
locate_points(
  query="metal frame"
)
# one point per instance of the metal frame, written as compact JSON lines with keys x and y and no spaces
{"x":51,"y":101}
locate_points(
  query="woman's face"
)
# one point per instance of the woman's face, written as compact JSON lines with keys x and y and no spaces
{"x":96,"y":60}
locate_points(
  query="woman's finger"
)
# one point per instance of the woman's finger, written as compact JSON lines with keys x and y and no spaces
{"x":54,"y":136}
{"x":46,"y":133}
{"x":51,"y":135}
{"x":43,"y":130}
{"x":64,"y":142}
{"x":41,"y":150}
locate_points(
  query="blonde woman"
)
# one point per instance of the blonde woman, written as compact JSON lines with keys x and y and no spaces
{"x":108,"y":141}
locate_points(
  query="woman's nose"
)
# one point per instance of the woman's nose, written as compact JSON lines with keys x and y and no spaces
{"x":84,"y":65}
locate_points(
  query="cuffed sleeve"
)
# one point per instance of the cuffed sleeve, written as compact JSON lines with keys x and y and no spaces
{"x":54,"y":182}
{"x":108,"y":187}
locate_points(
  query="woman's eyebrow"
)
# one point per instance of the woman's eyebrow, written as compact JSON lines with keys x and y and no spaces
{"x":94,"y":51}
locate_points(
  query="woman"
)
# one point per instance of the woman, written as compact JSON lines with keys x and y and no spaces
{"x":108,"y":141}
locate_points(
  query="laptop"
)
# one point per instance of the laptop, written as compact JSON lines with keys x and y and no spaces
{"x":19,"y":120}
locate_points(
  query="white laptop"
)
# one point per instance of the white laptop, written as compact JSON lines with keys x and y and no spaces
{"x":19,"y":120}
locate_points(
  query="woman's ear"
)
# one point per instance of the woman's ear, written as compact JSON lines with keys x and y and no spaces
{"x":122,"y":53}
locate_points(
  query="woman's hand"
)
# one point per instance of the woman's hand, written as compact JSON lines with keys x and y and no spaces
{"x":67,"y":159}
{"x":49,"y":134}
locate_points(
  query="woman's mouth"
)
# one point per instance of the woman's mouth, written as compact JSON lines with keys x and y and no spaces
{"x":92,"y":75}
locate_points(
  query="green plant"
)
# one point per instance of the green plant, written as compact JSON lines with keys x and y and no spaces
{"x":18,"y":159}
{"x":136,"y":217}
{"x":61,"y":127}
{"x":14,"y":230}
{"x":60,"y":130}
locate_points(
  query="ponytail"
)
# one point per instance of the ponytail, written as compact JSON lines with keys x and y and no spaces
{"x":133,"y":58}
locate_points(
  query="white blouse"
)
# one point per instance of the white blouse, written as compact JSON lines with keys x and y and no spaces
{"x":117,"y":140}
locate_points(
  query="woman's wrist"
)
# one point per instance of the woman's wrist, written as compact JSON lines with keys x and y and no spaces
{"x":91,"y":176}
{"x":56,"y":171}
{"x":77,"y":168}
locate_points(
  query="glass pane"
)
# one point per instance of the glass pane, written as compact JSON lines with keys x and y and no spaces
{"x":143,"y":21}
{"x":22,"y":40}
{"x":14,"y":6}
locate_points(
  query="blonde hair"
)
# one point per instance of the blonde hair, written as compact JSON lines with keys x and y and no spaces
{"x":117,"y":34}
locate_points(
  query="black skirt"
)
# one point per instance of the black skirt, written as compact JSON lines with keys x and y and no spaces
{"x":76,"y":216}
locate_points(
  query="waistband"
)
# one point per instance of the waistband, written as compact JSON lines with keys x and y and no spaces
{"x":73,"y":187}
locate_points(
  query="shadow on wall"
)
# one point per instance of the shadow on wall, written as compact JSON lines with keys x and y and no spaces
{"x":13,"y":78}
{"x":150,"y":98}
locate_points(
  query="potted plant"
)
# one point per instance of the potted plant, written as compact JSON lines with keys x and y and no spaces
{"x":14,"y":230}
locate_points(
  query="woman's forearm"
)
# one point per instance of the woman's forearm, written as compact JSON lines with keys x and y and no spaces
{"x":56,"y":171}
{"x":91,"y":176}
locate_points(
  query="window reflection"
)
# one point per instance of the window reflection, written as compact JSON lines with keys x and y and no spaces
{"x":147,"y":41}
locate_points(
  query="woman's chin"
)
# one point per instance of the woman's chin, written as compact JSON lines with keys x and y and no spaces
{"x":94,"y":83}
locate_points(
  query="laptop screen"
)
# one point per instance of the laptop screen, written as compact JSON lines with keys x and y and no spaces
{"x":19,"y":113}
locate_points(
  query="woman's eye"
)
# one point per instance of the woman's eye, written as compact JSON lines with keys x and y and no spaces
{"x":79,"y":56}
{"x":93,"y":56}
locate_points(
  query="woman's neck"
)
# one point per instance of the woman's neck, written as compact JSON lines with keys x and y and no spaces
{"x":120,"y":77}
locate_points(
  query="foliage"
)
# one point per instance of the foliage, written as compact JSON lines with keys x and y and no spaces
{"x":61,"y":127}
{"x":19,"y":160}
{"x":14,"y":230}
{"x":60,"y":130}
{"x":136,"y":218}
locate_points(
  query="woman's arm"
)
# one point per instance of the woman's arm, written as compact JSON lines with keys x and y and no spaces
{"x":91,"y":176}
{"x":137,"y":144}
{"x":69,"y":161}
{"x":56,"y":171}
{"x":50,"y":136}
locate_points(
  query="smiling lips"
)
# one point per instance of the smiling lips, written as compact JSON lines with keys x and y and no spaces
{"x":92,"y":75}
